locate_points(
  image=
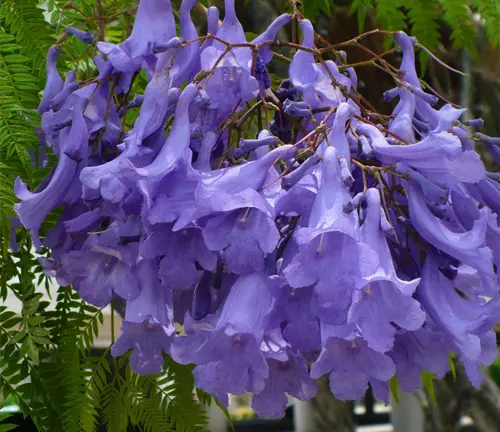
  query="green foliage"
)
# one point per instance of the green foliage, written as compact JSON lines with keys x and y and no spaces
{"x":427,"y":379}
{"x":390,"y":14}
{"x":172,"y":391}
{"x":451,"y":362}
{"x":316,"y":7}
{"x":422,"y":18}
{"x":394,"y":388}
{"x":424,"y":21}
{"x":457,"y":15}
{"x":18,"y":96}
{"x":24,"y":20}
{"x":24,"y":338}
{"x":489,"y":10}
{"x":360,"y":8}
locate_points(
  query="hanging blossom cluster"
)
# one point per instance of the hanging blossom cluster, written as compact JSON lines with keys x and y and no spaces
{"x":328,"y":244}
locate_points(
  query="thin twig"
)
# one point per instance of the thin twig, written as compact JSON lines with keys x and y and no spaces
{"x":354,"y":40}
{"x":441,"y":62}
{"x":100,"y":21}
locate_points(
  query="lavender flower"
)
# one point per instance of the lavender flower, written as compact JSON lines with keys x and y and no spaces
{"x":353,"y":250}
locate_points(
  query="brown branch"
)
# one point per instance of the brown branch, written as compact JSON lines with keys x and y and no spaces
{"x":100,"y":21}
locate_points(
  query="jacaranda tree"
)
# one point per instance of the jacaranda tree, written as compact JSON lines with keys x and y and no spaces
{"x":254,"y":234}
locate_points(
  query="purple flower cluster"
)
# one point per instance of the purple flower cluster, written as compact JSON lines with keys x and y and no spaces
{"x":341,"y":247}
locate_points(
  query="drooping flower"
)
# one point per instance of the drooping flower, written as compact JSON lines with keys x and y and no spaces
{"x":337,"y":136}
{"x":464,"y":321}
{"x":159,"y":96}
{"x":188,"y":55}
{"x":112,"y":180}
{"x":288,"y":374}
{"x":212,"y":28}
{"x":351,"y":364}
{"x":271,"y":257}
{"x":54,"y":82}
{"x":386,"y":300}
{"x":232,"y":78}
{"x":438,"y":156}
{"x":438,"y":120}
{"x":154,"y":23}
{"x":297,"y":318}
{"x":170,"y":154}
{"x":315,"y":81}
{"x":418,"y":351}
{"x":76,"y":137}
{"x":402,"y":125}
{"x":84,"y":36}
{"x":238,"y":186}
{"x":265,"y":52}
{"x":102,"y":267}
{"x":468,"y":246}
{"x":35,"y":206}
{"x":154,"y":301}
{"x":226,"y":346}
{"x":246,"y":236}
{"x":181,"y":253}
{"x":330,"y":256}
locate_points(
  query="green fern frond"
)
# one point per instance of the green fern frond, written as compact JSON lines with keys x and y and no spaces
{"x":18,"y":94}
{"x":24,"y":20}
{"x":314,"y":8}
{"x":172,"y":393}
{"x":45,"y":385}
{"x":360,"y":8}
{"x":423,"y":20}
{"x":80,"y":327}
{"x":114,"y":408}
{"x":457,"y":15}
{"x":489,"y":11}
{"x":24,"y":339}
{"x":98,"y":373}
{"x":390,"y":14}
{"x":143,"y":412}
{"x":76,"y":55}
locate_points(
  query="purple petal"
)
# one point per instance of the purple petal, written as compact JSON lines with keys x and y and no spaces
{"x":402,"y":125}
{"x":34,"y":207}
{"x":147,"y":340}
{"x":439,"y":156}
{"x":462,"y":320}
{"x":54,"y":82}
{"x":100,"y":270}
{"x":248,"y":236}
{"x":328,"y":208}
{"x":154,"y":301}
{"x":269,"y":34}
{"x":180,"y":251}
{"x":417,"y":351}
{"x":236,"y":187}
{"x":173,"y":149}
{"x":337,"y":136}
{"x":154,"y":22}
{"x":187,"y":58}
{"x":84,"y":222}
{"x":353,"y":363}
{"x":468,"y":247}
{"x":76,"y":145}
{"x":302,"y":73}
{"x":290,"y":377}
{"x":84,"y":36}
